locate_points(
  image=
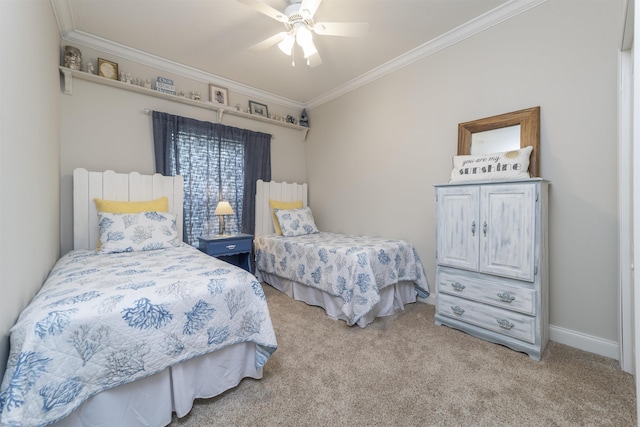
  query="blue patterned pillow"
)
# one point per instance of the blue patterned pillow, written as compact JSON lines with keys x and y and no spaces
{"x":296,"y":222}
{"x":137,"y":232}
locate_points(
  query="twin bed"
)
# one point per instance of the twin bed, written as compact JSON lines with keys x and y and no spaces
{"x":132,"y":332}
{"x":126,"y":338}
{"x":354,"y":278}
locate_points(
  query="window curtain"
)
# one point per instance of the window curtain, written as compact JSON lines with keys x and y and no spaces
{"x":217,"y":162}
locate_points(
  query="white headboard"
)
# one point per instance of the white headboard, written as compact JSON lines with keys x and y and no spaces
{"x":110,"y":185}
{"x":281,"y":191}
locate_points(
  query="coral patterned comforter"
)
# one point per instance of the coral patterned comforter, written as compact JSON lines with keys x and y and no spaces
{"x":353,"y":268}
{"x":104,"y":320}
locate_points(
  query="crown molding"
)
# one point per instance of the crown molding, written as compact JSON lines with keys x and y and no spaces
{"x":464,"y":31}
{"x":68,"y":33}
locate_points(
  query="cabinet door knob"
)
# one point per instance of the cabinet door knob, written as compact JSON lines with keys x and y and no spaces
{"x":504,"y":323}
{"x":457,"y":310}
{"x":506,"y":297}
{"x":457,"y":286}
{"x":473,"y":228}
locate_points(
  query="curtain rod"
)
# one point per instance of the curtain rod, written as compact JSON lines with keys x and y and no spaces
{"x":149,"y":111}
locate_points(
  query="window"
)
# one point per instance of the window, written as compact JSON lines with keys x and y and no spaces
{"x":218,"y":163}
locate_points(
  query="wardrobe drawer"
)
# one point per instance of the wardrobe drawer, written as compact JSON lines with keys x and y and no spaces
{"x":489,"y":290}
{"x":505,"y":322}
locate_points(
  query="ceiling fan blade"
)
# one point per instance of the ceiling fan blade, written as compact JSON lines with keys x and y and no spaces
{"x":266,"y":9}
{"x":308,"y":8}
{"x":344,"y":29}
{"x":277,"y":38}
{"x":314,"y":60}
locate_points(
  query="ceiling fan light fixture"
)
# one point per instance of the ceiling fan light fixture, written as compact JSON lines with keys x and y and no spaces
{"x":309,"y":49}
{"x":286,"y":45}
{"x":303,"y":35}
{"x":304,"y":38}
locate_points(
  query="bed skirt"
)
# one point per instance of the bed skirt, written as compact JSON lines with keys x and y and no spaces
{"x":151,"y":400}
{"x":392,"y":298}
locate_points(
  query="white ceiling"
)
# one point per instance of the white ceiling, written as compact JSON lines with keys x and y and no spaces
{"x":211,"y":38}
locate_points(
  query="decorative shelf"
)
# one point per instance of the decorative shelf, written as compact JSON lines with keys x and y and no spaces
{"x":69,"y":74}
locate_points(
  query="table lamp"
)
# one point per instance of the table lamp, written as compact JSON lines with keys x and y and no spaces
{"x":223,"y":208}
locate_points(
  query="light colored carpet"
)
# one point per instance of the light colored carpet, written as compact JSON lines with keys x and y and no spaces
{"x":404,"y":370}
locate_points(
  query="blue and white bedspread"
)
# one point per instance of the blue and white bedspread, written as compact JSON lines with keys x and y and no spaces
{"x":104,"y":320}
{"x":354,"y":268}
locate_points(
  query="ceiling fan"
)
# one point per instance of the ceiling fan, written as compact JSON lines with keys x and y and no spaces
{"x":299,"y":28}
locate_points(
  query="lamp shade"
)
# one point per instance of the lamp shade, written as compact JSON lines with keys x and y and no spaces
{"x":223,"y":208}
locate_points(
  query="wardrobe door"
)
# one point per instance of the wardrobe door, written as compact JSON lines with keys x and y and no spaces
{"x":457,"y":226}
{"x":507,"y":230}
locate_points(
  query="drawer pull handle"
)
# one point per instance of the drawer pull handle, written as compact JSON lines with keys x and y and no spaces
{"x":231,"y":247}
{"x":457,"y":310}
{"x":506,"y":297}
{"x":457,"y":286}
{"x":484,"y":229}
{"x":473,"y":228}
{"x":504,"y":323}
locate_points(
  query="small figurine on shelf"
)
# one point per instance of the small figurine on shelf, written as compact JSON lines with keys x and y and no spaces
{"x":72,"y":58}
{"x":291,"y":119}
{"x":122,"y":77}
{"x":304,"y":118}
{"x":90,"y":67}
{"x":147,"y":84}
{"x":237,"y":107}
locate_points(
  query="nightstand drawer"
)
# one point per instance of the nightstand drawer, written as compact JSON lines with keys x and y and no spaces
{"x":236,"y":249}
{"x":237,"y":246}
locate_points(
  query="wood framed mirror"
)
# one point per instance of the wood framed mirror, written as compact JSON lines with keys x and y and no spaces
{"x":496,"y":134}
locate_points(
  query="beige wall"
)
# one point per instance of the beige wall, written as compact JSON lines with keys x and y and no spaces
{"x":374,"y":154}
{"x":29,"y":155}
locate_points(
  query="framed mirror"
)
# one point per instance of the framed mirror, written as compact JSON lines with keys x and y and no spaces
{"x":500,"y":133}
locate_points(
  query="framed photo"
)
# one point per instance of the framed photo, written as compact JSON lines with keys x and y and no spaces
{"x":107,"y":69}
{"x":258,"y":109}
{"x":218,"y":94}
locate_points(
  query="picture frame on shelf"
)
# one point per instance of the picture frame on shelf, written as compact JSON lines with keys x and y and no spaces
{"x":218,"y":94}
{"x":108,"y":69}
{"x":258,"y":109}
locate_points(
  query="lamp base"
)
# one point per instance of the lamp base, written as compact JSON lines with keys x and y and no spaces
{"x":221,"y":221}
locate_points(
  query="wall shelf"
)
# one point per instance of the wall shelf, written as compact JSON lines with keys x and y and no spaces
{"x":221,"y":110}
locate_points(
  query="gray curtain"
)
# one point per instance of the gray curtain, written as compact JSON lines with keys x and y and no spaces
{"x":217,"y":162}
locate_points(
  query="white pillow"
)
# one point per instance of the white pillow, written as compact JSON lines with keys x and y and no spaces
{"x":137,"y":232}
{"x":496,"y":166}
{"x":296,"y":222}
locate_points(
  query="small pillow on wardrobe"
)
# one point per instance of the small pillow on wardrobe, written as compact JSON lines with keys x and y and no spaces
{"x":495,"y":166}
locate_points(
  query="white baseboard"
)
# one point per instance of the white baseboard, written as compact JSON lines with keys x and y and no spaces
{"x":584,"y":342}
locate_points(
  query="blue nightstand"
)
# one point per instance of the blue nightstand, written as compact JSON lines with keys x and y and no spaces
{"x":235,"y":249}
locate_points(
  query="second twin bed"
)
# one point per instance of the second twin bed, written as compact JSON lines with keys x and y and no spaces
{"x":354,"y":278}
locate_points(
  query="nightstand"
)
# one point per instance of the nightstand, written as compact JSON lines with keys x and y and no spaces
{"x":235,"y":249}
